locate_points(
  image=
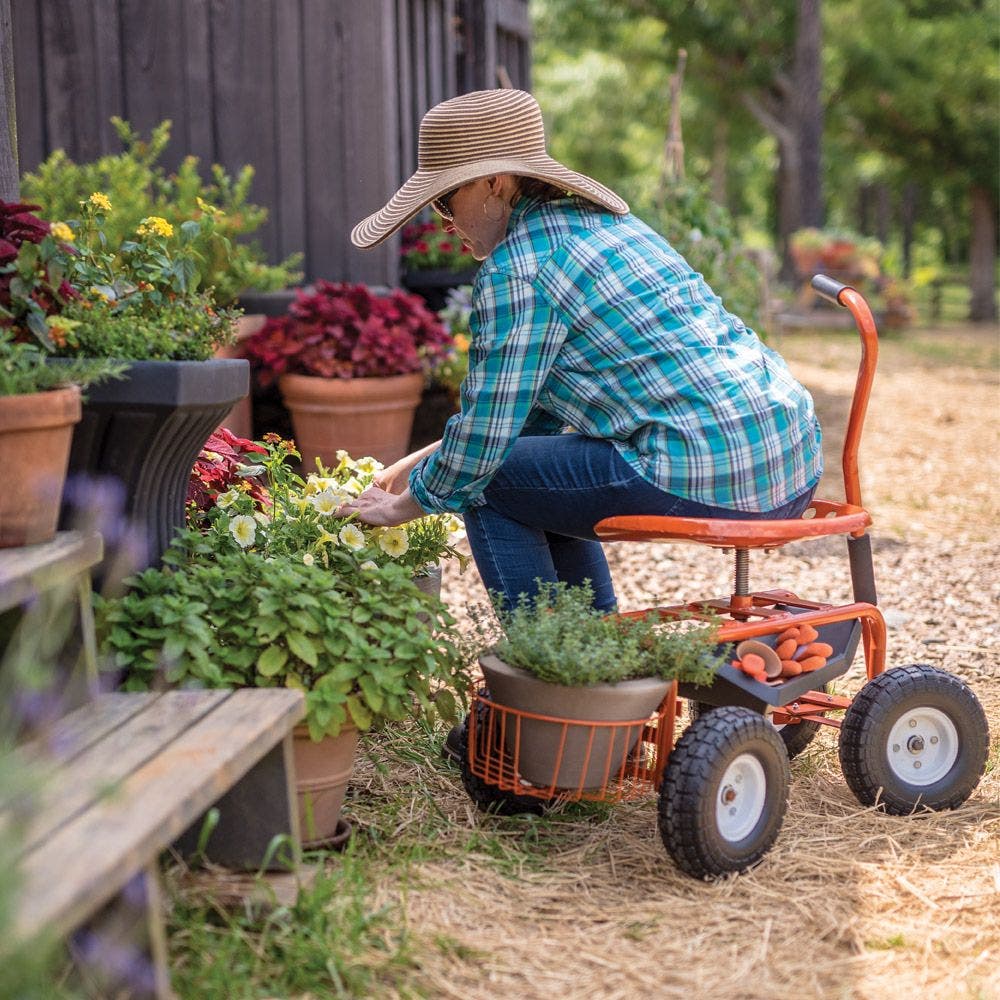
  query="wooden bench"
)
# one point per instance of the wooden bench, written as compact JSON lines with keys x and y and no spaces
{"x":120,"y":780}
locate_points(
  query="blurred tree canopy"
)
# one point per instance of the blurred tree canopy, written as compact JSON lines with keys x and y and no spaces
{"x":909,"y":120}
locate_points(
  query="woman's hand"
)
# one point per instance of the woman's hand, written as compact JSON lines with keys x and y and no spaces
{"x":395,"y":478}
{"x":377,"y":506}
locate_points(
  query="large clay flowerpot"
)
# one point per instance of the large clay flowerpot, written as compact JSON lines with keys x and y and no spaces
{"x":590,"y":754}
{"x":362,"y":416}
{"x":322,"y":772}
{"x":35,"y":434}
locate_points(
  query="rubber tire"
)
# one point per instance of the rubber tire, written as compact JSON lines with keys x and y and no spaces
{"x":865,"y":731}
{"x":489,"y":798}
{"x":796,"y":737}
{"x":690,"y":785}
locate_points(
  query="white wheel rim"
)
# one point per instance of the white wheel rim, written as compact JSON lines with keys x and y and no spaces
{"x":922,"y":746}
{"x":740,"y":798}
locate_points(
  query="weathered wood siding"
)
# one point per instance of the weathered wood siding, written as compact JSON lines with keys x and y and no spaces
{"x":323,"y":97}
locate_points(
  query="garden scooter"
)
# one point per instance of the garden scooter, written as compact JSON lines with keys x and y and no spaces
{"x":912,"y":738}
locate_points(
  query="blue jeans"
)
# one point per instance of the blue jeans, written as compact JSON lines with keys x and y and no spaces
{"x":542,"y":505}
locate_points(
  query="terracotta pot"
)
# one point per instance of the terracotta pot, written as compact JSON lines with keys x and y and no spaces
{"x":36,"y":431}
{"x":538,"y":752}
{"x":362,"y":416}
{"x":239,"y":419}
{"x":322,"y":772}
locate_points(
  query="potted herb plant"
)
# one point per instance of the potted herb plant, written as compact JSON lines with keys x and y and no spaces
{"x":78,"y":295}
{"x":269,"y":589}
{"x":434,"y":261}
{"x":351,"y":366}
{"x":559,"y":657}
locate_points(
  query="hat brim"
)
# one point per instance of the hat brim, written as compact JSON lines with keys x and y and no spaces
{"x":426,"y":185}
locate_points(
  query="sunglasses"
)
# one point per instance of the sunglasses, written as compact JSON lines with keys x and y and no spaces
{"x":442,"y":205}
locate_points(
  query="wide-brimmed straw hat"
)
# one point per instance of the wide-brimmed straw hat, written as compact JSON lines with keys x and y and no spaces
{"x":476,"y":135}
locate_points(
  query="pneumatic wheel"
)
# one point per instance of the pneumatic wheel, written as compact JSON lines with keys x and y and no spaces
{"x":489,"y":798}
{"x":795,"y":735}
{"x":914,"y":737}
{"x":724,"y":793}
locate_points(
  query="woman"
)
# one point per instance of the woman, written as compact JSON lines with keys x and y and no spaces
{"x":583,"y":318}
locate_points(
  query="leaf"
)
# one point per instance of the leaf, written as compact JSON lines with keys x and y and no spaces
{"x":303,"y":647}
{"x":359,"y":713}
{"x":272,"y":660}
{"x":37,"y":325}
{"x":372,"y":692}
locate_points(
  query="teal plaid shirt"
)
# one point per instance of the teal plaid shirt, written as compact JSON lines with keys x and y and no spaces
{"x":589,"y":320}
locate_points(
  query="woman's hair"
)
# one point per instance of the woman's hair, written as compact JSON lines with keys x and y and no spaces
{"x":532,"y":187}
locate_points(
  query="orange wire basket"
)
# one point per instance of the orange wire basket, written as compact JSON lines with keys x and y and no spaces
{"x":545,"y":757}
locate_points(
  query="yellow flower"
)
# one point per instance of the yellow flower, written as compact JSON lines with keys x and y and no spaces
{"x":153,"y":225}
{"x":353,"y":487}
{"x":300,"y":502}
{"x":61,"y":232}
{"x":227,"y":499}
{"x":462,"y":342}
{"x":344,"y":461}
{"x":327,"y":502}
{"x":100,"y":201}
{"x":368,"y":466}
{"x":394,"y":542}
{"x":244,"y":529}
{"x":352,"y":536}
{"x":325,"y":538}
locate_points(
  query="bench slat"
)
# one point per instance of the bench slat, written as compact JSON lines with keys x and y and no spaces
{"x":79,"y":867}
{"x":106,"y":762}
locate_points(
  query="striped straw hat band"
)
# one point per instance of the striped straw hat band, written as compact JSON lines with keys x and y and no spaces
{"x":477,"y":135}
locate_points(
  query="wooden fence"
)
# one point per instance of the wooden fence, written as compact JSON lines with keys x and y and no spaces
{"x":323,"y":97}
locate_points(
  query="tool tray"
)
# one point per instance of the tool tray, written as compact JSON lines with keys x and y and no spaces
{"x":732,"y":686}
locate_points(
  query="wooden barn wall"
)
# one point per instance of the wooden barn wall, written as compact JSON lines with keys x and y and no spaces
{"x":323,"y":97}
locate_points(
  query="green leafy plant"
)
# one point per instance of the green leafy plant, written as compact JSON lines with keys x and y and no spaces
{"x":245,"y":496}
{"x":24,"y":369}
{"x":364,"y":647}
{"x":559,"y":637}
{"x":223,"y":260}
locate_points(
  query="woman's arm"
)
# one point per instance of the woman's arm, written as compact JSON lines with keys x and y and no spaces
{"x":394,"y":478}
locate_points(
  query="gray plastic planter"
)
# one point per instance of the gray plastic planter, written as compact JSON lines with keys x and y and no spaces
{"x":146,"y":431}
{"x":538,"y":755}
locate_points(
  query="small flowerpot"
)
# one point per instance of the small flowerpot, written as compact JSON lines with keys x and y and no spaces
{"x":590,"y":754}
{"x":36,"y":430}
{"x":322,"y":773}
{"x":363,"y":416}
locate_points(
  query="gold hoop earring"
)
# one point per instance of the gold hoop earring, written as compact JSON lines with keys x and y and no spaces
{"x":493,"y":207}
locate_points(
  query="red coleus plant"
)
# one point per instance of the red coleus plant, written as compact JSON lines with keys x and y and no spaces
{"x":347,"y":331}
{"x":215,"y":470}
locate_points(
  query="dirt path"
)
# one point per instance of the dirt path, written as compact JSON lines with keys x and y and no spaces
{"x":850,"y":903}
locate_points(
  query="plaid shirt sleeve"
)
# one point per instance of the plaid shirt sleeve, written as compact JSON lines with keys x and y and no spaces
{"x":516,"y":335}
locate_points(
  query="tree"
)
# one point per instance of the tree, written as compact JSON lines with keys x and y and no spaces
{"x":920,"y":82}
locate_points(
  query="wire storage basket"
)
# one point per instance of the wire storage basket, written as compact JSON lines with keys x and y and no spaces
{"x":528,"y":753}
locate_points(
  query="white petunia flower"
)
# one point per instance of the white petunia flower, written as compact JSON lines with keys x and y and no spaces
{"x":352,"y":536}
{"x":368,"y":466}
{"x":261,"y":518}
{"x":227,"y":499}
{"x":328,"y":501}
{"x":353,"y":487}
{"x":308,"y":559}
{"x":244,"y":529}
{"x":394,"y":542}
{"x":369,"y":566}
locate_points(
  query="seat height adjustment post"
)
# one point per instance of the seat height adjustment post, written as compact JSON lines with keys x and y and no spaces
{"x":741,"y":584}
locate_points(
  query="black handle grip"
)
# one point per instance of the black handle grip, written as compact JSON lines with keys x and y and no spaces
{"x":828,"y":288}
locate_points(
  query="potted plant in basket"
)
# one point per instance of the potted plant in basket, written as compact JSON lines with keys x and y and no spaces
{"x":435,"y":260}
{"x":557,"y":656}
{"x":280,"y":597}
{"x":351,"y":367}
{"x":77,"y":295}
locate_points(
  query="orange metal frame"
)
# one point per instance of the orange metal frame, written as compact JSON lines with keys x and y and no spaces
{"x":750,"y":615}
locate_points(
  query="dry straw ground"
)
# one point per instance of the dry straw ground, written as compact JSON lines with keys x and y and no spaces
{"x":850,"y":903}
